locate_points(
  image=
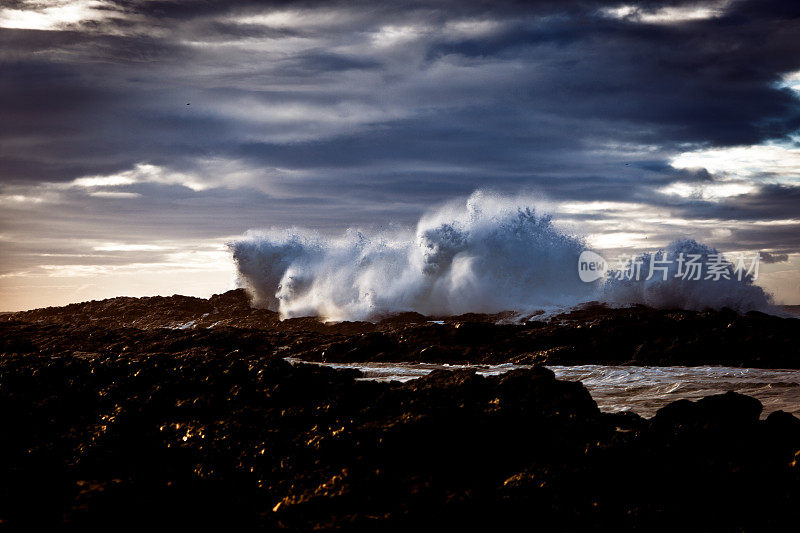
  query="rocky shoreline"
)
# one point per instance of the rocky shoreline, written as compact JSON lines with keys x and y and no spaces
{"x":593,"y":334}
{"x":189,"y":440}
{"x":118,"y":415}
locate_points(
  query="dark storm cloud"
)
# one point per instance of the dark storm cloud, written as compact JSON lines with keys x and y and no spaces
{"x":371,"y":104}
{"x":784,"y":239}
{"x":774,"y":258}
{"x":768,"y":202}
{"x":709,"y":81}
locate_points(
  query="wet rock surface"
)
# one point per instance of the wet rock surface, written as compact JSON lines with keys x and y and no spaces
{"x":192,"y":440}
{"x":133,"y":419}
{"x":593,"y":334}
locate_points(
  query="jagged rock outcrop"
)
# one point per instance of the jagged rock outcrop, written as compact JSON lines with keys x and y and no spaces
{"x":241,"y":441}
{"x":592,"y":334}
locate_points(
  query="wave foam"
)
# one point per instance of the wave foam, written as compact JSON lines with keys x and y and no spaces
{"x":676,"y":292}
{"x":486,"y":255}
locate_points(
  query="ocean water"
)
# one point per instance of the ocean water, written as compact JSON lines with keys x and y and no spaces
{"x":642,"y":389}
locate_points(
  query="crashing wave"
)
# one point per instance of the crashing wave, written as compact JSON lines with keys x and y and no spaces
{"x":486,"y":255}
{"x":674,"y":283}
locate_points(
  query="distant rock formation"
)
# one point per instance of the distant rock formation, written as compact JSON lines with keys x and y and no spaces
{"x":589,"y":334}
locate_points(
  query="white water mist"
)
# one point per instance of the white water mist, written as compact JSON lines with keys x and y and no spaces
{"x":487,"y":254}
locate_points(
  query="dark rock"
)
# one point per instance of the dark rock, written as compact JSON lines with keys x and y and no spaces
{"x":182,"y":412}
{"x":590,"y":334}
{"x":729,"y":409}
{"x":212,"y":430}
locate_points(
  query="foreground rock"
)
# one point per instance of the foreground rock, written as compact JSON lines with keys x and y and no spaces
{"x":199,"y":439}
{"x":593,"y":334}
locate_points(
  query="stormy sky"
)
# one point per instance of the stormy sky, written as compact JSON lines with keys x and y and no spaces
{"x":137,"y":137}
